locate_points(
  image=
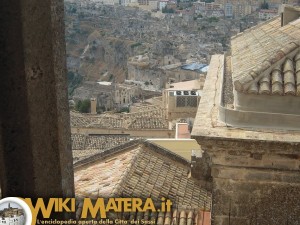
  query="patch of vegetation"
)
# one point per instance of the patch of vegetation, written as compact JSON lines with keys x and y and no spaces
{"x":264,"y":5}
{"x":202,"y":27}
{"x":135,"y":45}
{"x":83,"y":106}
{"x":167,"y":10}
{"x":199,"y":15}
{"x":124,"y":109}
{"x":74,"y":80}
{"x":213,"y":19}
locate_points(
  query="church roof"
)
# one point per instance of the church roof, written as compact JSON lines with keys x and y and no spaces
{"x":284,"y":79}
{"x":263,"y":58}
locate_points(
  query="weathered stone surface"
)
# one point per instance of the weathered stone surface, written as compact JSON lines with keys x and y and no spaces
{"x":271,"y":202}
{"x":36,"y":158}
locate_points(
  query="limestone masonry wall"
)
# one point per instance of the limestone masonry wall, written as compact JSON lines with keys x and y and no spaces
{"x":254,"y":182}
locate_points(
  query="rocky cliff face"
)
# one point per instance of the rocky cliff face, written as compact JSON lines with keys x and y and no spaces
{"x":101,"y":39}
{"x":105,"y":59}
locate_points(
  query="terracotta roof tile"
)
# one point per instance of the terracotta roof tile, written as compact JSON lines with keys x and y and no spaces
{"x":257,"y":49}
{"x":282,"y":80}
{"x":124,"y":174}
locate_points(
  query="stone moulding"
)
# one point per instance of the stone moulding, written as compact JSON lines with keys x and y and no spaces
{"x":251,"y":119}
{"x":257,"y":119}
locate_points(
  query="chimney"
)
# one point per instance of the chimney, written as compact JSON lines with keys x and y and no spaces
{"x":289,"y":14}
{"x":93,"y":106}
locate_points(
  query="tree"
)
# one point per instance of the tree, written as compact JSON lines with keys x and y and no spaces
{"x":264,"y":5}
{"x":83,"y":106}
{"x":167,"y":10}
{"x":124,"y":109}
{"x":213,"y":19}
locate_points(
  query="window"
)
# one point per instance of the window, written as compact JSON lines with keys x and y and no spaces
{"x":191,"y":101}
{"x":180,"y":101}
{"x":186,"y":101}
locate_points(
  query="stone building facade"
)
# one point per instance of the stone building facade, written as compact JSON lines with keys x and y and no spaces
{"x":181,"y":99}
{"x":109,"y":96}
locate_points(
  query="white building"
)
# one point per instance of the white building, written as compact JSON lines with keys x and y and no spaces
{"x":162,"y":4}
{"x":15,"y":220}
{"x":228,"y":10}
{"x":11,"y":216}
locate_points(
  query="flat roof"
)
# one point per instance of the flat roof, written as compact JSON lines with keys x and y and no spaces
{"x":185,"y":85}
{"x":181,"y":147}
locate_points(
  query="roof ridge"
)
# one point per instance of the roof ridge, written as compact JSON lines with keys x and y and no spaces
{"x":117,"y":149}
{"x":117,"y":191}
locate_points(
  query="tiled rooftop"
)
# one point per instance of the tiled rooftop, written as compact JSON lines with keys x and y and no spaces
{"x":281,"y":80}
{"x":141,"y":170}
{"x":151,"y":118}
{"x":84,"y":145}
{"x":183,"y":216}
{"x":102,"y":178}
{"x":260,"y":48}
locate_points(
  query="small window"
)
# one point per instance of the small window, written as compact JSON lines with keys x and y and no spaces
{"x":186,"y":101}
{"x":180,"y":101}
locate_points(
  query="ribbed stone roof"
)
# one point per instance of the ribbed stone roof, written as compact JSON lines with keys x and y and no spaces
{"x":284,"y":79}
{"x":264,"y":58}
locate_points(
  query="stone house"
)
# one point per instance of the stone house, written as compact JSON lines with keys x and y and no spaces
{"x":181,"y":99}
{"x":108,"y":95}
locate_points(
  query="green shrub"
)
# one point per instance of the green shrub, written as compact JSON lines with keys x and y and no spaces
{"x":135,"y":45}
{"x":83,"y":106}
